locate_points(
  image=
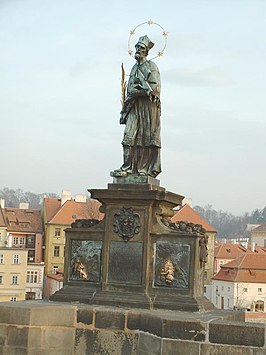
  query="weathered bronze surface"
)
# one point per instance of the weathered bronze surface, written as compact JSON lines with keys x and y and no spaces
{"x":125,"y":263}
{"x":172,"y":263}
{"x":126,"y":223}
{"x":141,"y":114}
{"x":85,"y":262}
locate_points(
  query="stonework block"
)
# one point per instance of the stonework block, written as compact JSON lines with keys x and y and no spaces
{"x":151,"y":324}
{"x":34,"y":337}
{"x":17,"y":336}
{"x":85,"y":315}
{"x":91,"y":342}
{"x":150,"y":343}
{"x":210,"y":349}
{"x":133,"y":321}
{"x":184,"y":329}
{"x":237,"y":333}
{"x":108,"y":319}
{"x":55,"y":338}
{"x":180,"y":347}
{"x":53,"y":315}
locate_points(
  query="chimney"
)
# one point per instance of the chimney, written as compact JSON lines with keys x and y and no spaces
{"x":80,"y":198}
{"x":65,"y":196}
{"x":187,"y":201}
{"x":253,"y":247}
{"x":24,"y":205}
{"x":2,"y":203}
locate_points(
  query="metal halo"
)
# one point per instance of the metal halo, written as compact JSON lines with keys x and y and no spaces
{"x":150,"y":23}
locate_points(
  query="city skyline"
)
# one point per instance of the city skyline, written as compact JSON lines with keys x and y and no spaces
{"x":60,"y":71}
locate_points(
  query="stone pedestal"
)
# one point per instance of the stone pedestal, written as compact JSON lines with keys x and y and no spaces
{"x":135,"y":256}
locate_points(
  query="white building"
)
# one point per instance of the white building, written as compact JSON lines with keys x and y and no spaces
{"x":258,"y":235}
{"x":241,"y":284}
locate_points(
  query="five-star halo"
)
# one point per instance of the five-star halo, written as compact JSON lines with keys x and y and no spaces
{"x":148,"y":23}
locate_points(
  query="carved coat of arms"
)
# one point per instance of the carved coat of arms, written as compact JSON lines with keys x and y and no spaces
{"x":126,"y":223}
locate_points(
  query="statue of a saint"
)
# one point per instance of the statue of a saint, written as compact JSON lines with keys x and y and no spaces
{"x":141,"y":114}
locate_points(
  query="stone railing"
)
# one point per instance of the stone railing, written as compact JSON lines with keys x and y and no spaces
{"x":33,"y":327}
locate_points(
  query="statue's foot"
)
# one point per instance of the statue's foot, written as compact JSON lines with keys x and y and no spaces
{"x":119,"y":172}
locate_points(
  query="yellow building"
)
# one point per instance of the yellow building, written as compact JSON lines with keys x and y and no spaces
{"x":13,"y":271}
{"x":58,"y":214}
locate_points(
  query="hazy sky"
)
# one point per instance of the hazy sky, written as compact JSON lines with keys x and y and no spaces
{"x":60,"y":95}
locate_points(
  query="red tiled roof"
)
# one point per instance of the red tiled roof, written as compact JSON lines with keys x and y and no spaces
{"x":260,"y":228}
{"x":258,"y":250}
{"x":2,"y":220}
{"x":235,"y":275}
{"x":250,"y":267}
{"x":248,"y":261}
{"x":229,"y":251}
{"x":72,"y":210}
{"x":51,"y":206}
{"x":23,"y":220}
{"x":187,"y":214}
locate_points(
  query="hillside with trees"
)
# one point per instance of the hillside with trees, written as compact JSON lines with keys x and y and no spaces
{"x":226,"y":224}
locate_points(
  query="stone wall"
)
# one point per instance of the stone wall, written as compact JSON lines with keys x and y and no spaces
{"x":49,"y":328}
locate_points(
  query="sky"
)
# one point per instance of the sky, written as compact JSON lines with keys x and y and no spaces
{"x":60,"y":73}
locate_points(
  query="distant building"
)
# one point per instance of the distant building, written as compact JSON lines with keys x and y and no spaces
{"x":258,"y":235}
{"x":13,"y":271}
{"x":187,"y":214}
{"x":224,"y":253}
{"x":58,"y":214}
{"x":241,"y":283}
{"x":53,"y":283}
{"x":21,"y":229}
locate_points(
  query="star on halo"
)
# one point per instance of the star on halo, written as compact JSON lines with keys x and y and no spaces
{"x":165,"y":34}
{"x":150,"y":22}
{"x":160,"y":54}
{"x":130,"y":52}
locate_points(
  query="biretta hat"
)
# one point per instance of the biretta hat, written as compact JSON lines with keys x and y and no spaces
{"x":144,"y":40}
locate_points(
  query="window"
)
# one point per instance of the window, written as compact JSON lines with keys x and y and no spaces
{"x":1,"y":279}
{"x":205,"y":275}
{"x":14,"y":280}
{"x":217,"y":288}
{"x":32,"y":276}
{"x":30,"y":241}
{"x":216,"y":300}
{"x":1,"y":258}
{"x":31,"y":255}
{"x":55,"y":268}
{"x":21,"y":241}
{"x":259,"y":290}
{"x":57,"y":232}
{"x":245,"y":289}
{"x":228,"y":289}
{"x":228,"y":303}
{"x":13,"y":299}
{"x":56,"y":250}
{"x":222,"y":288}
{"x":205,"y":289}
{"x":16,"y":259}
{"x":15,"y":240}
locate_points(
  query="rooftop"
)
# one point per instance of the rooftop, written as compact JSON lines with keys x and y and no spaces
{"x":187,"y":214}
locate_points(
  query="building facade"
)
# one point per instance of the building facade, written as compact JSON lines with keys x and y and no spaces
{"x":258,"y":235}
{"x":241,"y":284}
{"x":58,"y":214}
{"x":13,"y":270}
{"x":21,"y":230}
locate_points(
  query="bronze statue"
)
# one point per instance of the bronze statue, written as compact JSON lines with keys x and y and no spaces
{"x":141,"y":114}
